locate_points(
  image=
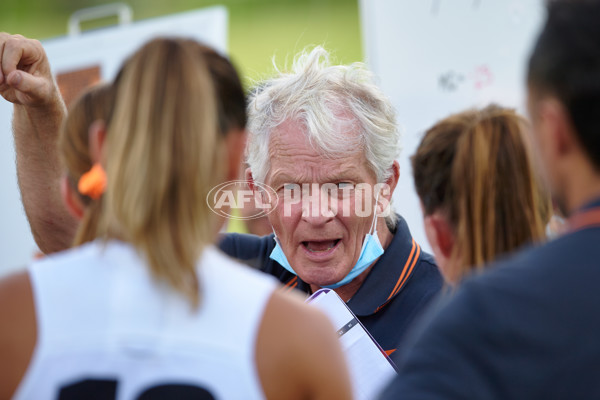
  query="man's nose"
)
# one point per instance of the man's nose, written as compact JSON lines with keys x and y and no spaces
{"x":317,"y":207}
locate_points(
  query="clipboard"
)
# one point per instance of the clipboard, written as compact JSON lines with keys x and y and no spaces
{"x":370,"y":368}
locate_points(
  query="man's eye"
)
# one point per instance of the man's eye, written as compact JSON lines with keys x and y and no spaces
{"x":345,"y":185}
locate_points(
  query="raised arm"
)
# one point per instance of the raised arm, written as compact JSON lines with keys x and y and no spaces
{"x":27,"y":82}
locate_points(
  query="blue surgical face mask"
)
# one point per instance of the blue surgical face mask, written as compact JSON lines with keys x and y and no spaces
{"x":371,"y":250}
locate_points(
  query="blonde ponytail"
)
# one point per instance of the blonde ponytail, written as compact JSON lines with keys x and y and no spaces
{"x":163,"y":153}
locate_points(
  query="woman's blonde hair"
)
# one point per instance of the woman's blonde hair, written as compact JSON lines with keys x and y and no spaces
{"x":162,"y":154}
{"x":476,"y":167}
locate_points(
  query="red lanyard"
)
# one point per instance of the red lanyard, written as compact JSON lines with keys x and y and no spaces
{"x":585,"y":219}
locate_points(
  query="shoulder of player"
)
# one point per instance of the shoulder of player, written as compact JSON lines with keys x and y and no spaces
{"x":16,"y":301}
{"x":18,"y":334}
{"x":295,"y":321}
{"x":297,"y":343}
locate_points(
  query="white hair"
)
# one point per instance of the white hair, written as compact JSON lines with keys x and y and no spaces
{"x":329,"y":101}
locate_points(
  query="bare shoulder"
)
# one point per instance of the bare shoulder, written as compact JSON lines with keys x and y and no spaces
{"x":16,"y":301}
{"x":298,"y":353}
{"x":18,"y":334}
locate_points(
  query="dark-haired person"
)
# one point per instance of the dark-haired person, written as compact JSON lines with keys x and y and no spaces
{"x":479,"y":189}
{"x":528,"y":327}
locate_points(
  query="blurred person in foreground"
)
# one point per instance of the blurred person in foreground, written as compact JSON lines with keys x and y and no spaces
{"x":526,"y":329}
{"x":324,"y":127}
{"x":480,"y":192}
{"x":146,"y":306}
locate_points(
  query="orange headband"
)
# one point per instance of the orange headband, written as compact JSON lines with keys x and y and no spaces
{"x":93,"y":182}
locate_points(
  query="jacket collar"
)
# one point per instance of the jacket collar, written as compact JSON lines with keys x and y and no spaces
{"x":389,"y":274}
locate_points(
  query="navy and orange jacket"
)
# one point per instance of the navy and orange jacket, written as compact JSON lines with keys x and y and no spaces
{"x":397,"y":290}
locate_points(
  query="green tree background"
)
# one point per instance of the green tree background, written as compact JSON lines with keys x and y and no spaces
{"x":258,"y":29}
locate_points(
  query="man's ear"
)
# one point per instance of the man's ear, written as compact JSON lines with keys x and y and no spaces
{"x":71,"y":198}
{"x":259,"y":195}
{"x":556,"y":125}
{"x":386,"y":192}
{"x":392,"y":181}
{"x":249,"y":179}
{"x":96,"y":136}
{"x":235,"y":142}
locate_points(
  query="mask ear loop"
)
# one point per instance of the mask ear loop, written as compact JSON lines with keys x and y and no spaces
{"x":374,"y":223}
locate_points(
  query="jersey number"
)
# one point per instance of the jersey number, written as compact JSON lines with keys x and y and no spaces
{"x":100,"y":389}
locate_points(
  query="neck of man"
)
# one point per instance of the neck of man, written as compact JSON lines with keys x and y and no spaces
{"x":582,"y":187}
{"x":347,"y":291}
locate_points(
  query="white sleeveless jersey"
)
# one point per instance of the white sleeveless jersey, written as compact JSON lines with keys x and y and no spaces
{"x":107,"y":330}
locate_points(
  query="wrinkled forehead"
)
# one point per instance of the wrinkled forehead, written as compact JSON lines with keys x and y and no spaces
{"x":337,"y":138}
{"x":297,"y":155}
{"x":332,"y":131}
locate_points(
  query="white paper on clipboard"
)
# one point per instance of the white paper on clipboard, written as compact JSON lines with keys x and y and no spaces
{"x":370,"y":369}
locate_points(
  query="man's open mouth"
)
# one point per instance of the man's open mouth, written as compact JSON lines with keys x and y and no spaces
{"x":320,"y":246}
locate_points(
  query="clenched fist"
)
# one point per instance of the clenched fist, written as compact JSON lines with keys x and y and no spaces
{"x":25,"y":76}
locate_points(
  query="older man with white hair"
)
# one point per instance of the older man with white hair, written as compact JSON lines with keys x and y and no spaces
{"x":323,"y":137}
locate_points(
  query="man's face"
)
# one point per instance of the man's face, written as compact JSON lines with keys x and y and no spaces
{"x":319,"y":231}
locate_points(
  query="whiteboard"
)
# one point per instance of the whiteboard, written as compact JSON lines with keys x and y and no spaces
{"x":106,"y":49}
{"x":437,"y":57}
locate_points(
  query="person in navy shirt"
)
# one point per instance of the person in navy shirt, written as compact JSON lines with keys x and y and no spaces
{"x":526,"y":329}
{"x":398,"y":289}
{"x":324,"y":138}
